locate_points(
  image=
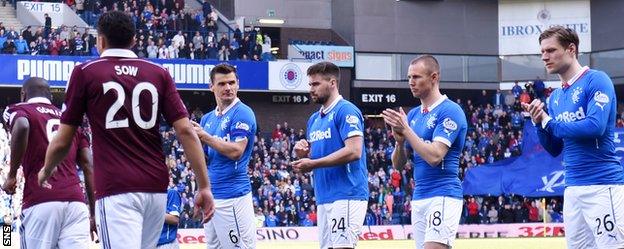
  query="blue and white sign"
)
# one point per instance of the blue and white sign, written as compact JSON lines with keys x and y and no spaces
{"x":342,"y":56}
{"x":520,"y":23}
{"x":188,"y":74}
{"x":287,"y":76}
{"x":534,"y":174}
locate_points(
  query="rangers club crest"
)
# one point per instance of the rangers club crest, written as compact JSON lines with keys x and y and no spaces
{"x":575,"y":94}
{"x":431,"y":121}
{"x":290,"y":76}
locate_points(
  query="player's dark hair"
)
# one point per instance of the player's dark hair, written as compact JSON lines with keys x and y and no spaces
{"x":222,"y":68}
{"x":117,"y":28}
{"x":565,"y":37}
{"x":36,"y":87}
{"x":325,"y":69}
{"x":430,"y":62}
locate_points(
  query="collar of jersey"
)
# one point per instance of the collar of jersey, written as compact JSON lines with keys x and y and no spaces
{"x":227,"y":108}
{"x":330,"y":107}
{"x":40,"y":100}
{"x":578,"y":75}
{"x":118,"y":52}
{"x":434,"y":105}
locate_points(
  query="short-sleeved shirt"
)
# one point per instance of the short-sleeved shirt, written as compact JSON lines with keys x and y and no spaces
{"x":327,"y":131}
{"x":123,"y":98}
{"x":43,"y":121}
{"x":444,"y":122}
{"x":228,"y":178}
{"x":174,"y":207}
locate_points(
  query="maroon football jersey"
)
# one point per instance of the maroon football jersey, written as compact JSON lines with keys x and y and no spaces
{"x":43,"y":119}
{"x":124,"y":98}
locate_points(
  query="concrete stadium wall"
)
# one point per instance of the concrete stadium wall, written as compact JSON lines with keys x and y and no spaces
{"x":606,"y":20}
{"x":443,"y":27}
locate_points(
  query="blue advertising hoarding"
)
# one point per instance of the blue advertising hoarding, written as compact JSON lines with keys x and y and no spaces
{"x":188,"y":74}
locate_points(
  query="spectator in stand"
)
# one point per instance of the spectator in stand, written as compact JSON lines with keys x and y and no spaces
{"x":197,"y":39}
{"x":3,"y":38}
{"x":64,"y":48}
{"x":525,"y":97}
{"x":516,"y":90}
{"x":224,"y":53}
{"x":47,"y":24}
{"x":80,"y":6}
{"x":234,"y":48}
{"x":473,"y":211}
{"x":206,"y":8}
{"x":506,"y":214}
{"x":271,"y":220}
{"x":152,"y":50}
{"x":21,"y":46}
{"x":539,"y":87}
{"x":534,"y":213}
{"x":178,"y":39}
{"x":184,"y":52}
{"x":64,"y":35}
{"x":277,"y":132}
{"x":140,"y":49}
{"x":530,"y":89}
{"x":521,"y":214}
{"x":483,"y":99}
{"x":78,"y":45}
{"x":9,"y":47}
{"x":498,"y":98}
{"x":200,"y":52}
{"x":27,"y":34}
{"x":492,"y":215}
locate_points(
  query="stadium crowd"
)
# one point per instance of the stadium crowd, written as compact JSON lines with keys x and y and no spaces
{"x":165,"y":30}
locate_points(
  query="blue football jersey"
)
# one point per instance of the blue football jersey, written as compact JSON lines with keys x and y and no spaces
{"x":326,"y":134}
{"x":445,"y":122}
{"x":174,"y":207}
{"x":582,"y":127}
{"x":229,"y":178}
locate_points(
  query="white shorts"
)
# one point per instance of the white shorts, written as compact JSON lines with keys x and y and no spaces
{"x":593,"y":216}
{"x":340,"y":223}
{"x":233,"y":224}
{"x":55,"y":225}
{"x":436,"y":219}
{"x":130,"y":220}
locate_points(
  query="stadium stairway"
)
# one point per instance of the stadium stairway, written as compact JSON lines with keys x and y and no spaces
{"x":224,"y":23}
{"x":8,"y":17}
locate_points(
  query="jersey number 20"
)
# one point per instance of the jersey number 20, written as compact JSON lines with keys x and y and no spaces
{"x":136,"y":110}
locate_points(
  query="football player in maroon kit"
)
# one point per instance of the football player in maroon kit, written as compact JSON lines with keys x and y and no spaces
{"x":53,"y":216}
{"x":124,"y":98}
